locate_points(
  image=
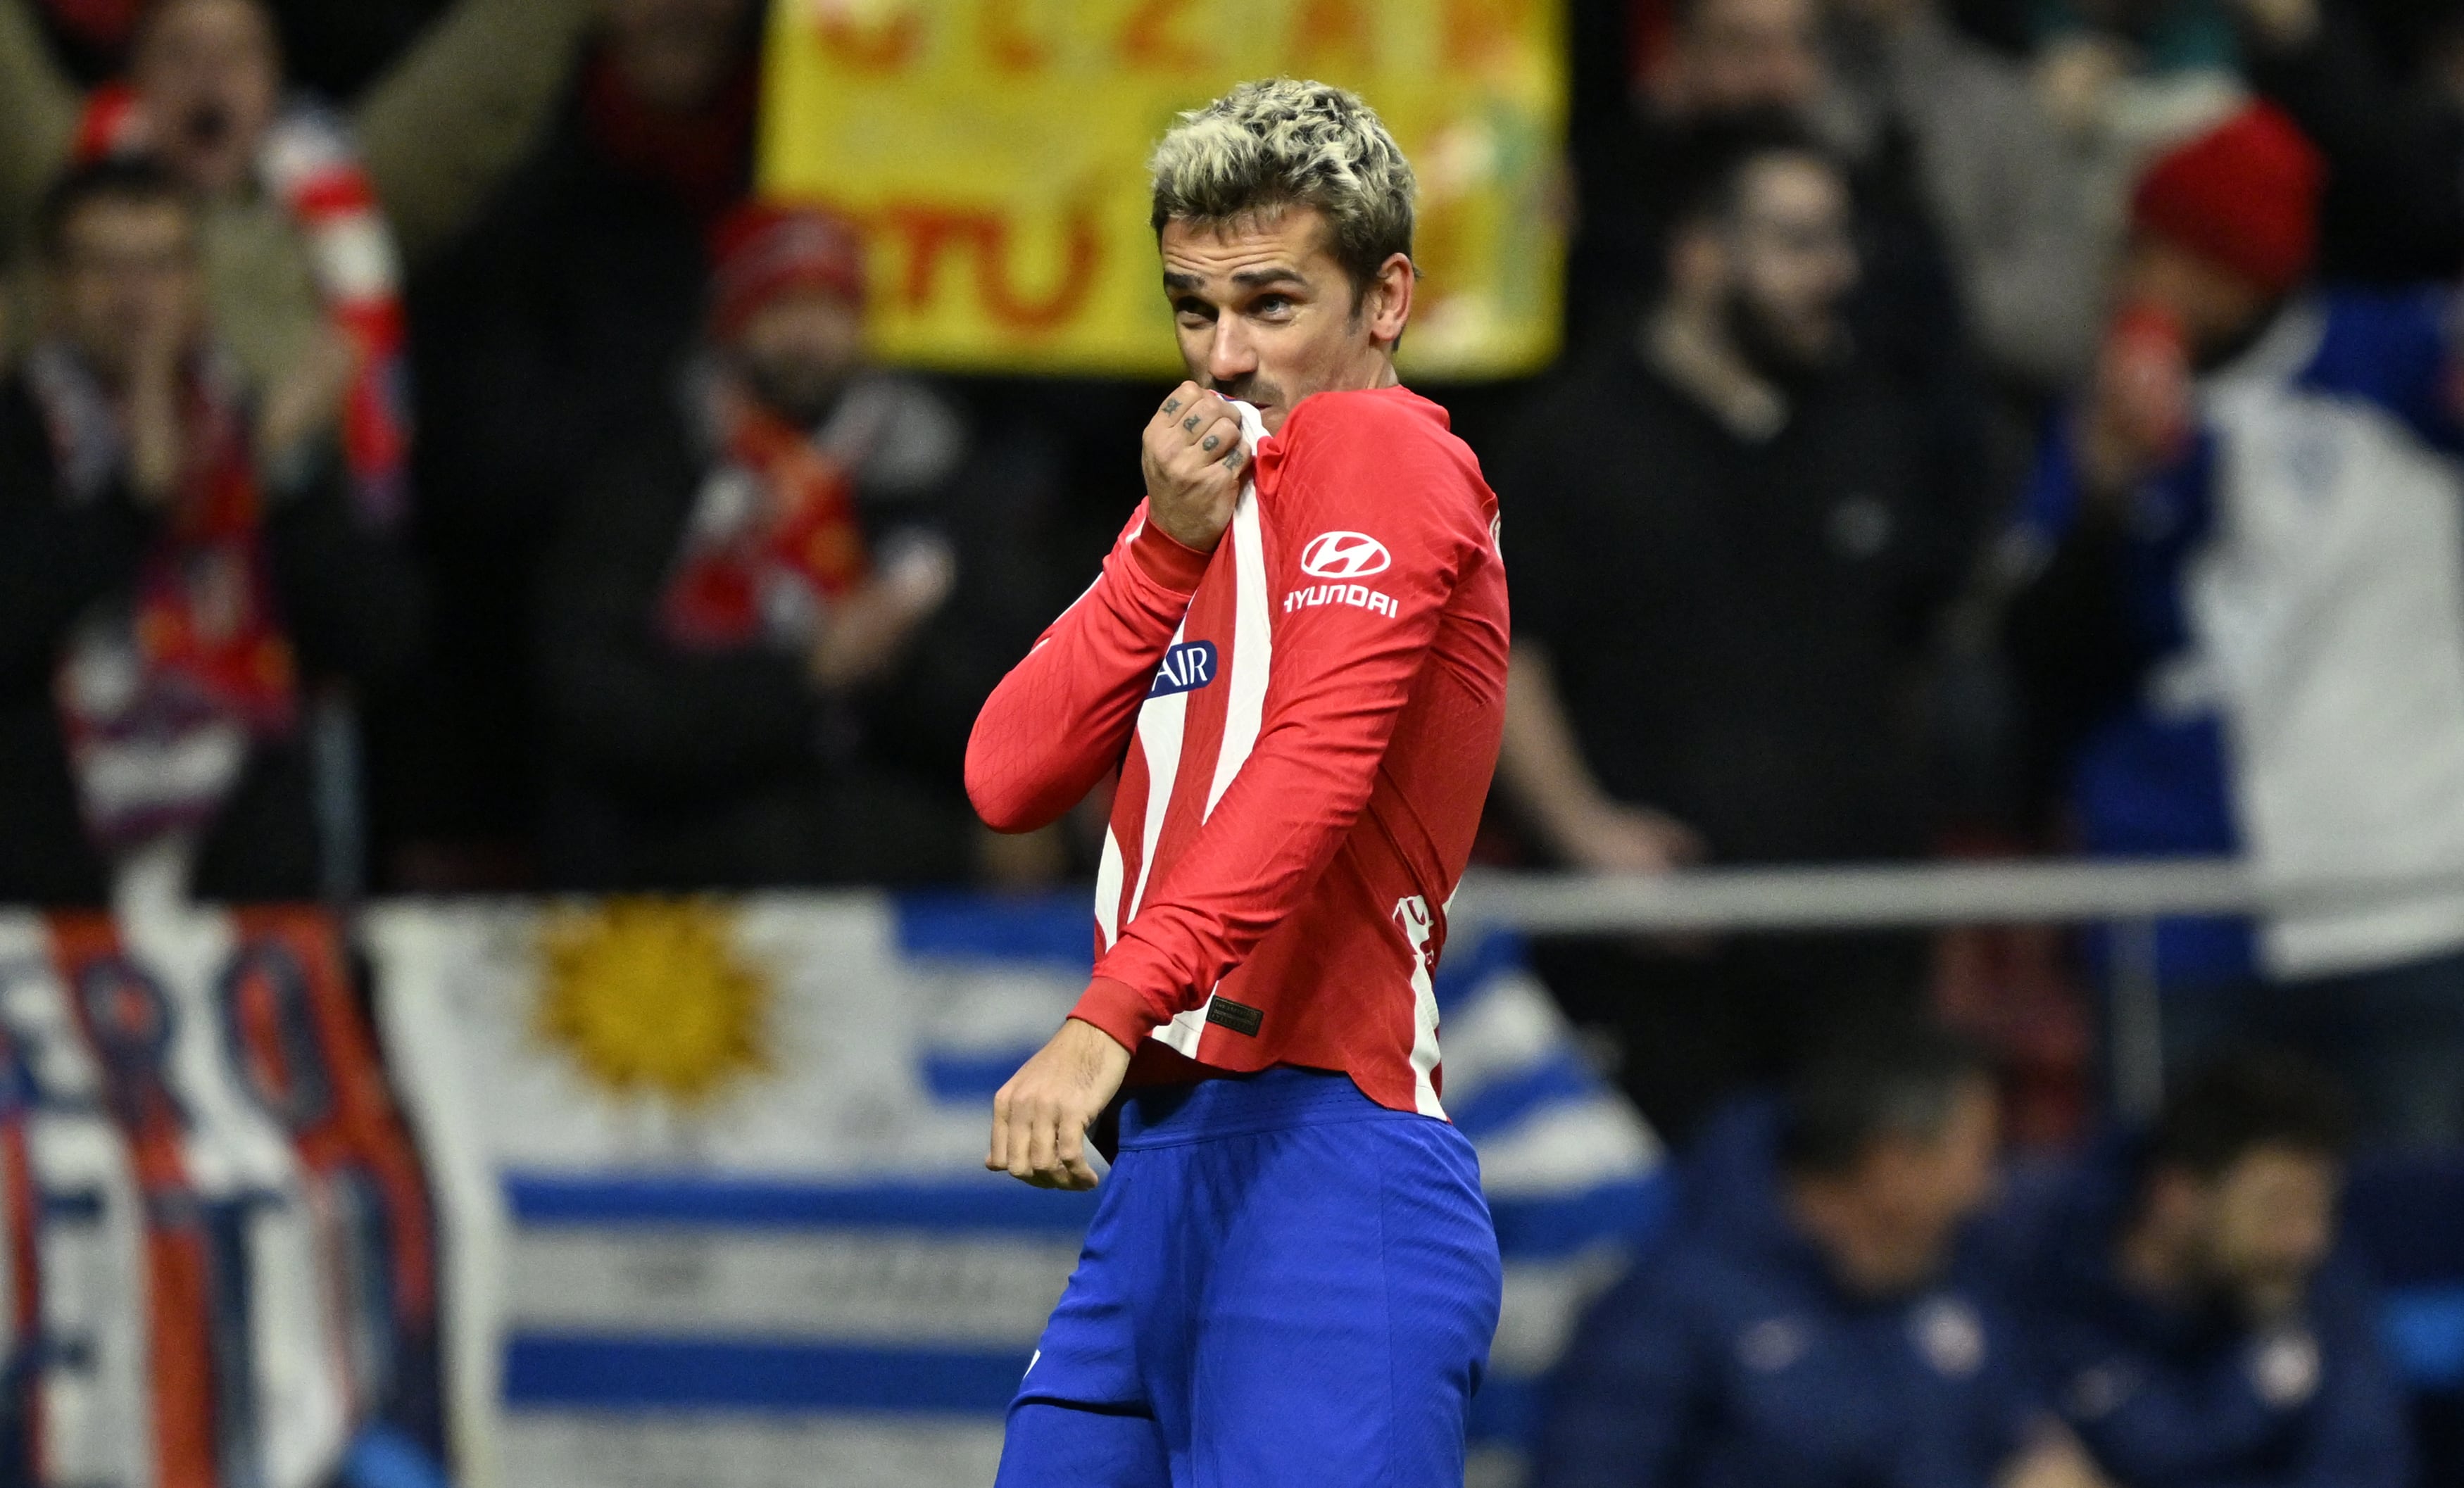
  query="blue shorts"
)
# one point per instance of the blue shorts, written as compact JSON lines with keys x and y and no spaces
{"x":1284,"y":1284}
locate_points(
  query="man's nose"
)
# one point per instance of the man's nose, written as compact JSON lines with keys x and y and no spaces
{"x":1230,"y":354}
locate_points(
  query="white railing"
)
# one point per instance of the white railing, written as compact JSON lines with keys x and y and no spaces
{"x":2129,"y":895}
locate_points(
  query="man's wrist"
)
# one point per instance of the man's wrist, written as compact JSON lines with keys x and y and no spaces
{"x":1117,"y":1010}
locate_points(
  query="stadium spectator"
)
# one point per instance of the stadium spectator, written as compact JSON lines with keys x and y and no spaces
{"x":304,"y":208}
{"x":2182,"y":1295}
{"x":550,"y":333}
{"x":2003,"y":191}
{"x":1730,"y":533}
{"x":734,"y":588}
{"x":335,"y":49}
{"x":1966,"y":198}
{"x":2245,"y":557}
{"x":178,"y":565}
{"x":1821,"y":1316}
{"x":2122,"y":81}
{"x":2394,"y":144}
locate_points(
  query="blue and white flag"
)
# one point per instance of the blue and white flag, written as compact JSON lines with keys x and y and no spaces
{"x":711,"y":1178}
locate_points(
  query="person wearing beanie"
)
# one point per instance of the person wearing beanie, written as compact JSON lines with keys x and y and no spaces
{"x":735,"y":603}
{"x":2240,"y":620}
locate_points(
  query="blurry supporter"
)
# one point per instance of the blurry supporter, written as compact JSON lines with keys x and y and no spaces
{"x":1731,"y":532}
{"x":2182,"y":1295}
{"x":334,"y":49}
{"x":2245,"y":553}
{"x":178,"y":563}
{"x":1968,"y":204}
{"x":736,"y":596}
{"x":303,"y":208}
{"x":1821,"y":1316}
{"x":551,"y":332}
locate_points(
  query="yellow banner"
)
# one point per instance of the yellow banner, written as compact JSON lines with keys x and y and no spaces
{"x":996,"y":150}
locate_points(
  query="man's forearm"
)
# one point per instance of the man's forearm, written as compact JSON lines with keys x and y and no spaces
{"x":452,"y":118}
{"x":1063,"y":715}
{"x":1542,"y":765}
{"x":38,"y":116}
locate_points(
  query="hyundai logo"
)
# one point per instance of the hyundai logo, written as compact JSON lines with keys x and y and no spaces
{"x":1344,"y":555}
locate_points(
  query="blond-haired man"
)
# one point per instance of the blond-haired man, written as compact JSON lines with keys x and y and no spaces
{"x":1296,"y":655}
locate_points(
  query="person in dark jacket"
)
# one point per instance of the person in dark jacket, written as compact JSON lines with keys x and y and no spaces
{"x":749,"y":669}
{"x":2194,"y":1323}
{"x":181,"y":572}
{"x":2393,"y":137}
{"x":548,"y":335}
{"x":1820,"y":1317}
{"x":1733,"y":535}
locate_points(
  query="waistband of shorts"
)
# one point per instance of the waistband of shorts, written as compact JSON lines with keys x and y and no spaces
{"x":1227,"y":1105}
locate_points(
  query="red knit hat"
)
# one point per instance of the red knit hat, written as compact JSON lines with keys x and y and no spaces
{"x":2243,"y":196}
{"x":764,"y":250}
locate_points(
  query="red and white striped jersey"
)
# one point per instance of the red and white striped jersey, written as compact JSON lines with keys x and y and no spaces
{"x":1305,"y":721}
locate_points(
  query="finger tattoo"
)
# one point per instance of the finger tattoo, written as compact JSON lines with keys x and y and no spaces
{"x":1172,"y":405}
{"x":1209,"y":442}
{"x":1189,"y":424}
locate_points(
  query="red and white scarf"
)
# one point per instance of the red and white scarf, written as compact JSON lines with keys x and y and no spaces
{"x":310,"y":164}
{"x":165,"y":688}
{"x":773,"y":537}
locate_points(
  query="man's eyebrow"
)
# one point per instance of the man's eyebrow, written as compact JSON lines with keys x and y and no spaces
{"x":1252,"y":278}
{"x":1247,"y":278}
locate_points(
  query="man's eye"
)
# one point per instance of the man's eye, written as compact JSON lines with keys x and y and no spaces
{"x":1193,"y":309}
{"x":1271,"y":304}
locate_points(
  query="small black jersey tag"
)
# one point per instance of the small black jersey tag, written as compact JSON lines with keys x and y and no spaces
{"x":1239,"y":1017}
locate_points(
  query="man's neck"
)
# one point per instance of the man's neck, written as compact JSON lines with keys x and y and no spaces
{"x":1862,"y":1260}
{"x":1685,"y":345}
{"x":2153,"y":1262}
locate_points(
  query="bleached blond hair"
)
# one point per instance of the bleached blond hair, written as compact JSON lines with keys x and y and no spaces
{"x":1283,"y":143}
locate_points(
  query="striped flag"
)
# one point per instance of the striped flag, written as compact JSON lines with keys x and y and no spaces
{"x":217,"y":1255}
{"x":711,"y":1173}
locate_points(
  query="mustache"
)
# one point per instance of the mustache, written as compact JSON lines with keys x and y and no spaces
{"x":1248,"y":387}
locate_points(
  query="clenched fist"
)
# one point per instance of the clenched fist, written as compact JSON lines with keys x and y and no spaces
{"x":1040,"y":1118}
{"x":1194,"y":465}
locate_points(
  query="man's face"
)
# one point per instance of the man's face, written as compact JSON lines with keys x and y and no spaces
{"x":211,"y":75}
{"x":676,"y":54}
{"x":2218,"y":309}
{"x":1735,"y":55}
{"x":797,"y":352}
{"x":127,"y":283}
{"x":1792,"y":259}
{"x":2267,"y":1223}
{"x":1920,"y":1189}
{"x":1265,"y":315}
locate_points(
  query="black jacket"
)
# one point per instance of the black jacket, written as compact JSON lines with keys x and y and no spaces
{"x":681,"y":769}
{"x":350,"y":602}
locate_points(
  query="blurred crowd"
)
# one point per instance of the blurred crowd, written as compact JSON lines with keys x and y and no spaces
{"x":1852,"y":1292}
{"x":1984,"y":426}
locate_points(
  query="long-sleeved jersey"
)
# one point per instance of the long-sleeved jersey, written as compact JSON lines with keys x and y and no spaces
{"x":1306,"y":721}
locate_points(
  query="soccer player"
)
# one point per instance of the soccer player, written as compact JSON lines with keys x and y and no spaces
{"x":1296,"y":657}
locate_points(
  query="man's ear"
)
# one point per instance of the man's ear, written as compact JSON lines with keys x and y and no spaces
{"x":1387,"y":301}
{"x":2173,"y":1196}
{"x":1697,"y":261}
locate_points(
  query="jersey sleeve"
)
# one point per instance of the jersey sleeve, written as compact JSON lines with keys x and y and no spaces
{"x":1354,"y":476}
{"x":1063,"y":716}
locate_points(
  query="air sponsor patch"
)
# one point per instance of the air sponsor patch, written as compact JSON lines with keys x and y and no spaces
{"x":1186,"y":667}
